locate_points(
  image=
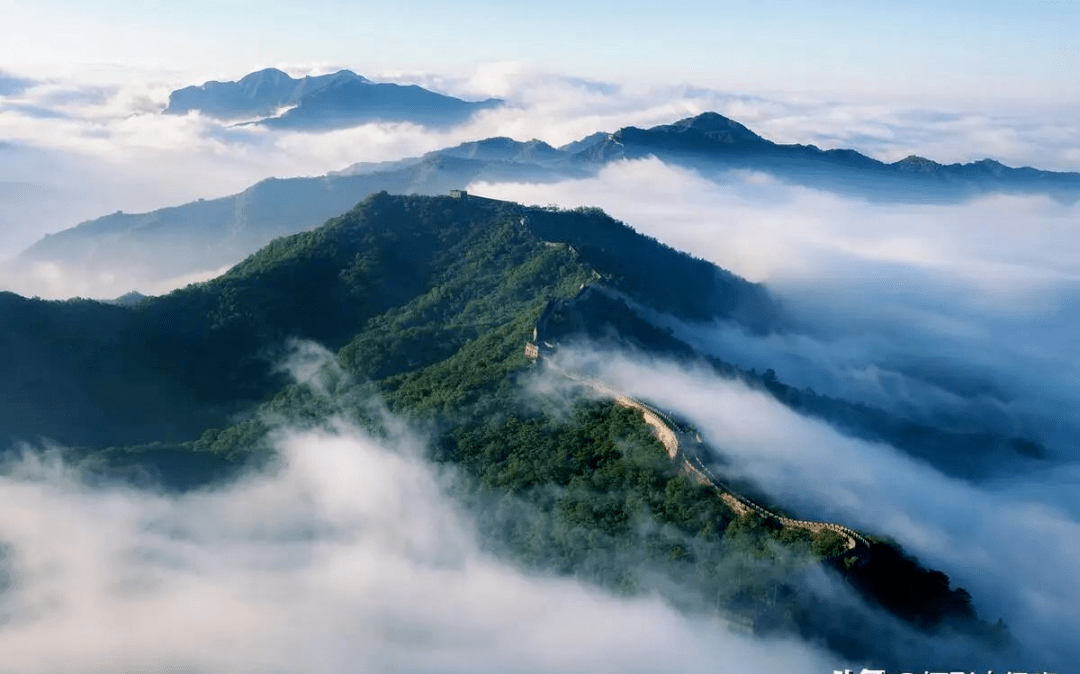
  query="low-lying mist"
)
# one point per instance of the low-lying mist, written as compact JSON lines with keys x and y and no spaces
{"x":349,"y":556}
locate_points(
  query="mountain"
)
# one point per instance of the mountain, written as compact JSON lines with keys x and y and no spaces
{"x":508,"y":150}
{"x":322,"y":285}
{"x":340,"y":100}
{"x":427,"y":305}
{"x":259,"y":94}
{"x":713,"y":144}
{"x":207,"y":235}
{"x":576,"y":146}
{"x":348,"y":103}
{"x":313,"y":285}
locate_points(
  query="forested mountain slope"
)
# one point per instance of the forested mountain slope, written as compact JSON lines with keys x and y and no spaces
{"x":426,"y":304}
{"x":159,"y":368}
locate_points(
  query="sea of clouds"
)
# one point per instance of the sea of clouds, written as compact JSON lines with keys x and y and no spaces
{"x":958,"y":314}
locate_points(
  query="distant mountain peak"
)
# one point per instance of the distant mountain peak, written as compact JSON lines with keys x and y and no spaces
{"x":916,"y":160}
{"x":344,"y":72}
{"x":344,"y":77}
{"x":266,"y":74}
{"x":708,"y":121}
{"x":714,"y":124}
{"x":336,"y":100}
{"x":280,"y":76}
{"x":699,"y":135}
{"x":502,"y":148}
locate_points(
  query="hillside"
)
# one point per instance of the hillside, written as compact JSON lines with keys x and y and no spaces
{"x":427,"y":304}
{"x":210,"y":341}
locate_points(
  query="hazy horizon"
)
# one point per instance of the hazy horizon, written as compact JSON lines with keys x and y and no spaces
{"x":82,"y":150}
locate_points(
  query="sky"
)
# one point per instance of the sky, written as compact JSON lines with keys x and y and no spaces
{"x":995,"y":50}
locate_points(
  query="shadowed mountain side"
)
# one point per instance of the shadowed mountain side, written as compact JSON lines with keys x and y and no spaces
{"x":654,"y":274}
{"x":712,"y":143}
{"x":325,"y":102}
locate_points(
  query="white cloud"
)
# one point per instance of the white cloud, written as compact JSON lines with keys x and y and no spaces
{"x":50,"y":280}
{"x":349,"y":557}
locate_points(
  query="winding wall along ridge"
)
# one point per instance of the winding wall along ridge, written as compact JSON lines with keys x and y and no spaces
{"x":692,"y":465}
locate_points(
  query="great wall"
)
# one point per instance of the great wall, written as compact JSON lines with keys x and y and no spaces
{"x":675,"y":442}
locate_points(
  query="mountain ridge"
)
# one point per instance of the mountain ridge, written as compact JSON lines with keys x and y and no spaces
{"x":207,"y":235}
{"x":321,"y":278}
{"x":710,"y":141}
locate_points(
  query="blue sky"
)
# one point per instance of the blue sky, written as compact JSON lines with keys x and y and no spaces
{"x":991,"y":50}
